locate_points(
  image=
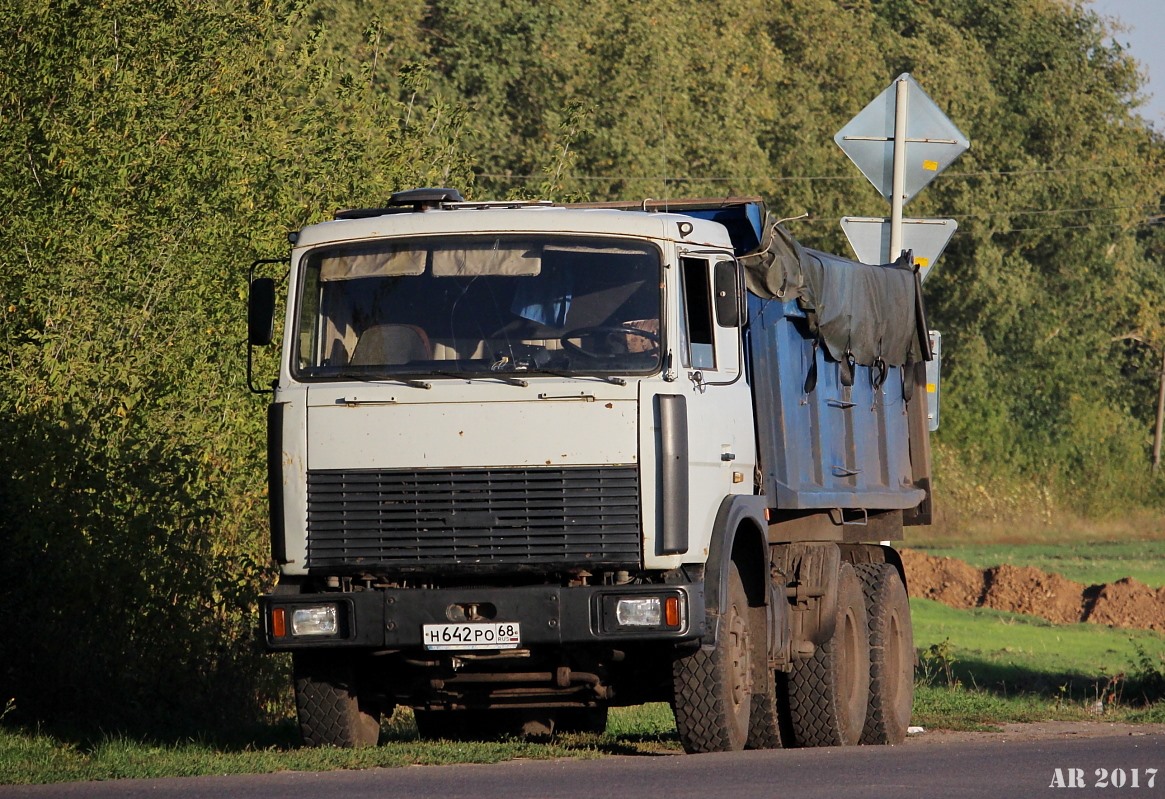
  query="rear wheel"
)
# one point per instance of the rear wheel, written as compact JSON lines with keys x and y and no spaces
{"x":327,"y":703}
{"x":713,"y":688}
{"x":828,"y":693}
{"x":891,"y":654}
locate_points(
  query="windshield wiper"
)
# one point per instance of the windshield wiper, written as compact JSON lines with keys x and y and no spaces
{"x":513,"y":381}
{"x":372,"y":377}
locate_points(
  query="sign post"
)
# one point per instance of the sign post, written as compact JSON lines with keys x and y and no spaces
{"x":900,"y":142}
{"x":901,"y":104}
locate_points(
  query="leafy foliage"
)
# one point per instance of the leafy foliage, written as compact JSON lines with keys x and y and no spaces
{"x":149,"y":150}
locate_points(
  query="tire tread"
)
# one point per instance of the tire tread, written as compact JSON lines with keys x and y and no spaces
{"x":701,"y":703}
{"x":328,"y":710}
{"x":814,"y":696}
{"x":880,"y":587}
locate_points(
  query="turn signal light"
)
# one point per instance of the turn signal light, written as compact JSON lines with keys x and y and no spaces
{"x":278,"y":623}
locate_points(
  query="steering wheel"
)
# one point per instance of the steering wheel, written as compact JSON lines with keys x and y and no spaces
{"x":600,"y":330}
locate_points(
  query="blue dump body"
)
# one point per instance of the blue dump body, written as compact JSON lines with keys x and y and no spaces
{"x":830,"y":433}
{"x":833,"y":445}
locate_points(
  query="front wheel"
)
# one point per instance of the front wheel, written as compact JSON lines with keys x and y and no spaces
{"x":328,"y":705}
{"x":713,"y":687}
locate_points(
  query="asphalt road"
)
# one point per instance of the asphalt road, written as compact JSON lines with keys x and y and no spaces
{"x":994,"y":765}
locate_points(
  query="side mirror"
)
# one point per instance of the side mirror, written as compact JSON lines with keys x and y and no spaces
{"x":727,"y":291}
{"x":261,"y":312}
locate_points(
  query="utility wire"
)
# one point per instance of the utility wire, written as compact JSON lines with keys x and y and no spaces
{"x":794,"y":178}
{"x":1148,"y":222}
{"x":1042,"y":211}
{"x":1146,"y":207}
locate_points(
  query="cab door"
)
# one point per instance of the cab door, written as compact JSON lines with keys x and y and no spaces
{"x":717,"y":399}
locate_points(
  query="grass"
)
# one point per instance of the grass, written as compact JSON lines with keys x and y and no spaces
{"x":1029,"y":642}
{"x":32,"y":757}
{"x":1085,"y":562}
{"x":980,"y":667}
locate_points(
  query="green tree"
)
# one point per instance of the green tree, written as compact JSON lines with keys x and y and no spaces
{"x":150,"y":150}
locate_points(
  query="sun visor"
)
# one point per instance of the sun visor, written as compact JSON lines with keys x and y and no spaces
{"x":354,"y":264}
{"x":487,"y":259}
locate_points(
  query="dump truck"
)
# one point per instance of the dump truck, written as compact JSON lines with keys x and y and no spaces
{"x":529,"y":461}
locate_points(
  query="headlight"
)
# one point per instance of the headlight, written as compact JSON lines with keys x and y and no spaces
{"x":638,"y":612}
{"x":315,"y":620}
{"x":642,"y":611}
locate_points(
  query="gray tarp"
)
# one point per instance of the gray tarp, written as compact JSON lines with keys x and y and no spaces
{"x":863,"y":311}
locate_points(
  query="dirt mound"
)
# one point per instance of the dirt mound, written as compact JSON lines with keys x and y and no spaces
{"x":946,"y":580}
{"x":1117,"y":603}
{"x":1024,"y":589}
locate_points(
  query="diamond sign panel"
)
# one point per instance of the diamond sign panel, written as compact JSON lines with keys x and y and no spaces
{"x":870,"y":239}
{"x":932,"y":140}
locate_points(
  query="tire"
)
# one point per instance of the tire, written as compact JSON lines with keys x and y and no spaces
{"x":327,"y":703}
{"x":763,"y":723}
{"x":828,"y":693}
{"x":891,"y":655}
{"x":712,"y":688}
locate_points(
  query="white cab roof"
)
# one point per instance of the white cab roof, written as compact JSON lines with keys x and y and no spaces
{"x":529,"y":219}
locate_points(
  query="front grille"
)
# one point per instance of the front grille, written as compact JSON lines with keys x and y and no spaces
{"x":467,"y":518}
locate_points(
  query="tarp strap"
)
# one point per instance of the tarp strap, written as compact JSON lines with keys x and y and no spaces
{"x":845,"y":370}
{"x":811,"y":378}
{"x":878,"y":373}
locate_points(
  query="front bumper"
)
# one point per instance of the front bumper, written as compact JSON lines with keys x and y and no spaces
{"x":548,"y":615}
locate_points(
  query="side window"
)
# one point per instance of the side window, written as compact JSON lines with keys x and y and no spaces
{"x":697,"y":300}
{"x":309,"y":314}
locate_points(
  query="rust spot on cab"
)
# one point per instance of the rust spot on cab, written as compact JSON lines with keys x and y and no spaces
{"x":610,"y":405}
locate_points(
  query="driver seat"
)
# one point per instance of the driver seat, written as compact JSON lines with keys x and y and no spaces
{"x":391,"y":344}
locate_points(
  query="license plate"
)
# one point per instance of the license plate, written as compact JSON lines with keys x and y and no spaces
{"x":478,"y":635}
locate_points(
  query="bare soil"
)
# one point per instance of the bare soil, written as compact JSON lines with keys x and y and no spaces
{"x":1023,"y":589}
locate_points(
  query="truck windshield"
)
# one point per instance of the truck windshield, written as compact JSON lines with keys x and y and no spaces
{"x":479,"y":305}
